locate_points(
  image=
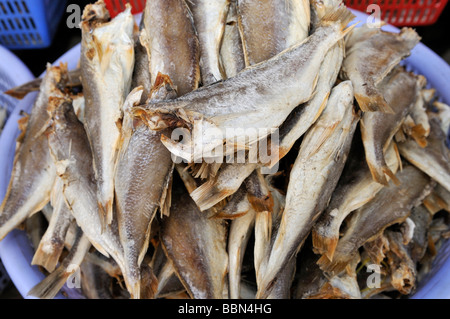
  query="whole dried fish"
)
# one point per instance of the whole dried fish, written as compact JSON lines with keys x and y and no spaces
{"x":392,"y":205}
{"x":217,"y":108}
{"x":107,"y":56}
{"x":210,"y":19}
{"x":33,"y":173}
{"x":199,"y":256}
{"x":384,"y":50}
{"x":401,"y":90}
{"x":70,"y":149}
{"x":323,"y":153}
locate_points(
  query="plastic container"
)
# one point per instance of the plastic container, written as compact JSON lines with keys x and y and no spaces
{"x":403,"y":12}
{"x":16,"y":252}
{"x":29,"y":24}
{"x":117,"y":6}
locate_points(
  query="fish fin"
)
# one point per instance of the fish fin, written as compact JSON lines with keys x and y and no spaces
{"x":341,"y":14}
{"x":419,"y":133}
{"x":397,"y":154}
{"x":207,"y":195}
{"x":22,"y":123}
{"x":378,"y":173}
{"x":166,"y":198}
{"x":324,"y":245}
{"x":149,"y":285}
{"x":52,"y":284}
{"x":322,"y":107}
{"x":375,"y":103}
{"x":47,"y":258}
{"x":391,"y":175}
{"x":105,"y":214}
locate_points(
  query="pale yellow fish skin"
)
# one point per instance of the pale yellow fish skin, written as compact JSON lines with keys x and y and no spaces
{"x":323,"y":153}
{"x":107,"y":64}
{"x":33,"y":173}
{"x":210,"y":19}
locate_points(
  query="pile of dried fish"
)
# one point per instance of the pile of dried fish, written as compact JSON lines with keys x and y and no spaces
{"x":107,"y":192}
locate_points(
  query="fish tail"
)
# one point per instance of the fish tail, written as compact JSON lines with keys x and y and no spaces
{"x":324,"y":245}
{"x":52,"y":284}
{"x":207,"y":195}
{"x":48,"y":258}
{"x":374,"y":103}
{"x":388,"y":172}
{"x":410,"y":36}
{"x":334,"y":266}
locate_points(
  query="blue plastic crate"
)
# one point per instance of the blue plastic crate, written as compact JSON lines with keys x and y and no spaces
{"x":29,"y":24}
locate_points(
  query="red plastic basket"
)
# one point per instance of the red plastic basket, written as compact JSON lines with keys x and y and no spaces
{"x":403,"y":12}
{"x":395,"y":12}
{"x":117,"y":6}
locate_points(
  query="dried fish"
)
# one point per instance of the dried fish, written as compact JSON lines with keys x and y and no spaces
{"x":144,"y":167}
{"x":19,"y":92}
{"x":107,"y":56}
{"x":70,"y":149}
{"x":401,"y":90}
{"x":52,"y":284}
{"x":231,"y":52}
{"x":199,"y":256}
{"x":33,"y":173}
{"x":323,"y":153}
{"x":269,"y":27}
{"x":392,"y":205}
{"x":434,"y":159}
{"x":258,"y":99}
{"x":53,"y":242}
{"x":172,"y":45}
{"x":355,"y":188}
{"x":239,"y":234}
{"x":384,"y":50}
{"x":210,"y":19}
